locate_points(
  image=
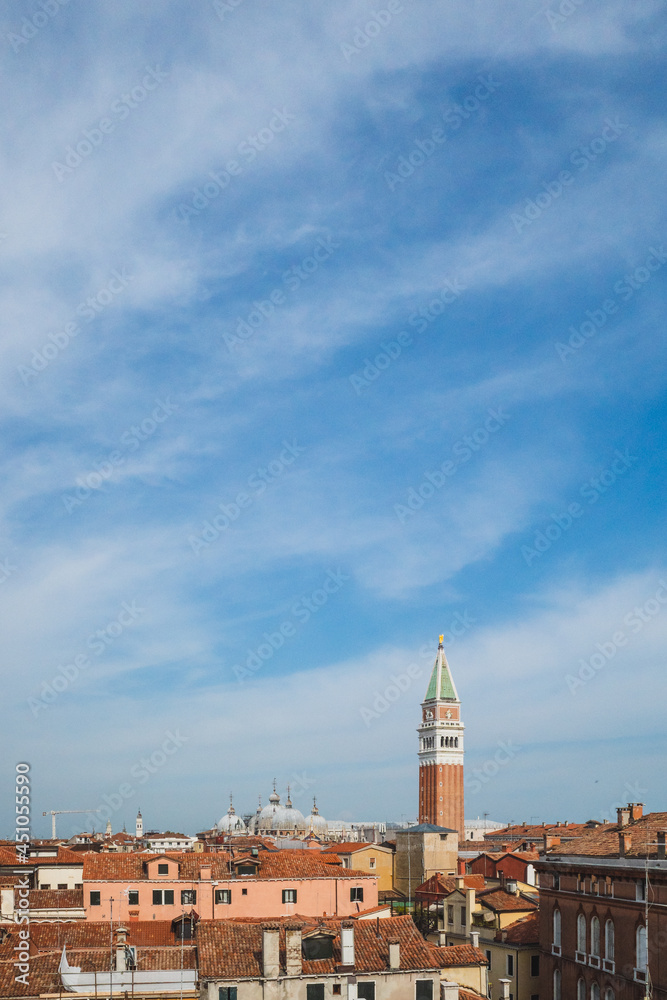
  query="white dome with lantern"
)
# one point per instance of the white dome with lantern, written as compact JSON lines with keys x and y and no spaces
{"x":278,"y":819}
{"x":316,"y":823}
{"x":230,"y":822}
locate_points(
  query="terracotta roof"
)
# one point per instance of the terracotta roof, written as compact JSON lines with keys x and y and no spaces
{"x":88,"y":947}
{"x":499,"y":900}
{"x":232,"y":949}
{"x":443,"y":885}
{"x":603,"y":840}
{"x":346,"y":847}
{"x":55,"y":898}
{"x":466,"y":993}
{"x":527,"y":831}
{"x":63,"y":857}
{"x":278,"y":864}
{"x":526,"y":930}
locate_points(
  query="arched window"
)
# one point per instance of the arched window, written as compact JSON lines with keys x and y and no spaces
{"x":456,"y":741}
{"x":609,"y":940}
{"x":581,"y":933}
{"x":557,"y":995}
{"x":442,"y":741}
{"x":595,"y":936}
{"x":581,"y":990}
{"x":556,"y":927}
{"x":609,"y":994}
{"x":595,"y":991}
{"x":641,"y":948}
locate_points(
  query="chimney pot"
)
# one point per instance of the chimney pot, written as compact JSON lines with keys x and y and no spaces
{"x":624,"y":843}
{"x":293,"y":957}
{"x":270,"y":951}
{"x":661,"y":845}
{"x":623,"y":816}
{"x":474,"y":939}
{"x":505,"y":987}
{"x":347,"y":943}
{"x":636,"y":810}
{"x":394,"y":954}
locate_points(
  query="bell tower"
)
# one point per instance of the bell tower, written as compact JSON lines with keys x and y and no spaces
{"x":441,"y":751}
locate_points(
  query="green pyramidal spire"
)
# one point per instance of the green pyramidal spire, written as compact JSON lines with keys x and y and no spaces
{"x":441,"y":685}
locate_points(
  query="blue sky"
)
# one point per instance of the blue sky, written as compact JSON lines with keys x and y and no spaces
{"x":326,"y":331}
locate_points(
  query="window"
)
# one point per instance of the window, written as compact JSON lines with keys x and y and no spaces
{"x":78,"y":885}
{"x":510,"y":965}
{"x":95,"y":898}
{"x":356,"y":895}
{"x":534,"y":965}
{"x":163,"y":869}
{"x":227,"y":993}
{"x":595,"y":937}
{"x":595,"y":991}
{"x":371,"y":863}
{"x":556,"y":927}
{"x":244,"y":892}
{"x":289,"y":895}
{"x":556,"y":990}
{"x":223,"y":895}
{"x":133,"y":897}
{"x":556,"y":881}
{"x":463,"y":916}
{"x":45,"y":885}
{"x":609,"y":994}
{"x":581,"y":933}
{"x":609,"y":940}
{"x":581,"y":990}
{"x":336,"y":989}
{"x":247,"y":870}
{"x":641,"y":956}
{"x":319,"y":946}
{"x":188,"y":897}
{"x":62,"y":885}
{"x":160,"y":897}
{"x":183,"y":930}
{"x":314,"y":991}
{"x":366,"y":991}
{"x":424,"y":989}
{"x":450,"y":914}
{"x":488,"y":958}
{"x":641,"y":891}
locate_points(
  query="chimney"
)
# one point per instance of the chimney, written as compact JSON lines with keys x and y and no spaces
{"x":624,"y":843}
{"x":270,"y":951}
{"x":661,"y":845}
{"x":205,"y":872}
{"x":460,"y":882}
{"x":636,"y":810}
{"x":449,"y":990}
{"x":623,"y":816}
{"x":121,"y":941}
{"x":474,"y":939}
{"x":347,"y":944}
{"x":470,"y":906}
{"x":394,"y":954}
{"x":511,"y":887}
{"x":293,"y":963}
{"x":442,"y":939}
{"x":505,"y":988}
{"x":550,"y":842}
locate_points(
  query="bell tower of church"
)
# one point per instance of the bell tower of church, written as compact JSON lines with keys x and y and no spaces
{"x":441,"y":751}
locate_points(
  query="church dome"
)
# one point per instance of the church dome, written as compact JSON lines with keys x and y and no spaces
{"x":230,"y":822}
{"x":276,"y":818}
{"x":316,"y":823}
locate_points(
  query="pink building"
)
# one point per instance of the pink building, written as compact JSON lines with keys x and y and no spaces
{"x":219,"y":886}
